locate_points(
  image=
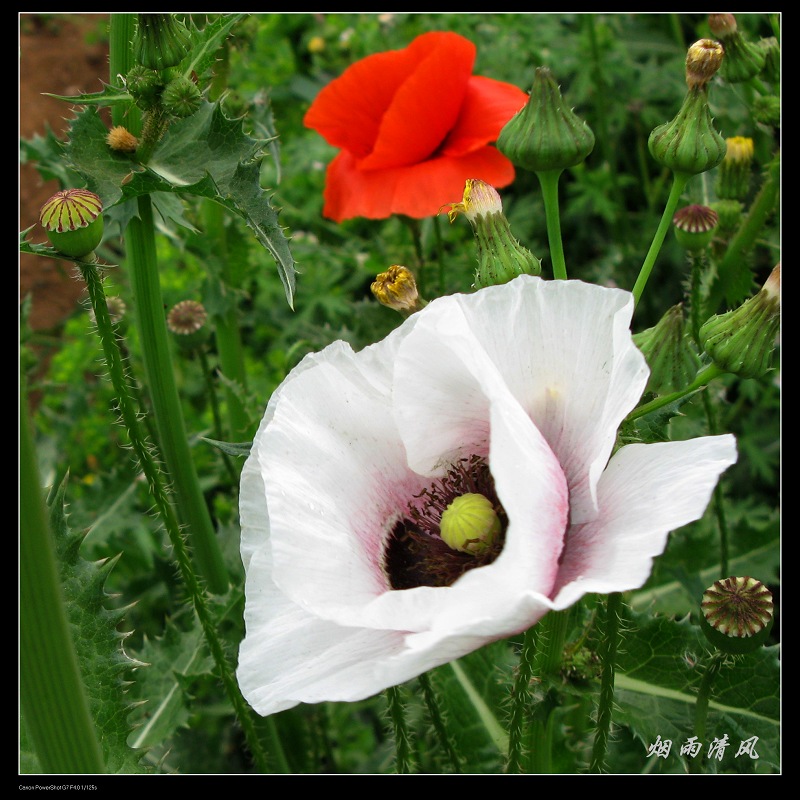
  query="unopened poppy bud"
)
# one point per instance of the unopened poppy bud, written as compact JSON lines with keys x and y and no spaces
{"x":161,"y":41}
{"x":737,"y":614}
{"x":501,"y":257}
{"x":668,"y":352}
{"x":733,"y":178}
{"x":545,"y":134}
{"x":741,"y":341}
{"x":397,"y":288}
{"x":743,"y":59}
{"x":187,"y":320}
{"x":703,"y":59}
{"x":695,"y":226}
{"x":688,"y":144}
{"x":181,"y":97}
{"x":73,"y":222}
{"x":470,"y":524}
{"x":122,"y":140}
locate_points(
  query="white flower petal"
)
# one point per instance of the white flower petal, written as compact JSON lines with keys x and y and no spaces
{"x":647,"y":491}
{"x":563,"y":349}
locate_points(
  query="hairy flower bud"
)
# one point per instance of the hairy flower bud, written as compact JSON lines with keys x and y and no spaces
{"x":668,"y":352}
{"x":122,"y":140}
{"x":695,"y":226}
{"x":501,"y":257}
{"x":145,"y":86}
{"x":737,"y":614}
{"x":741,"y":341}
{"x":181,"y":97}
{"x":397,"y":288}
{"x":73,"y":222}
{"x":161,"y":41}
{"x":545,"y":134}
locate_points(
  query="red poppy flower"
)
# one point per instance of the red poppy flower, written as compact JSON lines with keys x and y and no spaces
{"x":412,"y":126}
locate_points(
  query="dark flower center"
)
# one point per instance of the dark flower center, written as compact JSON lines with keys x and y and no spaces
{"x":415,"y":553}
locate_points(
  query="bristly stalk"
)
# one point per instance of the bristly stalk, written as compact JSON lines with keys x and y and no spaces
{"x":438,"y":721}
{"x":402,"y":740}
{"x":520,"y":703}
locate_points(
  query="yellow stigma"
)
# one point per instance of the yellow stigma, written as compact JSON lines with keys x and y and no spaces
{"x":397,"y":289}
{"x":470,"y":524}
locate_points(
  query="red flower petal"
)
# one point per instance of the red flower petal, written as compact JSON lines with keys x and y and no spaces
{"x":416,"y":191}
{"x":383,"y":99}
{"x":488,"y":105}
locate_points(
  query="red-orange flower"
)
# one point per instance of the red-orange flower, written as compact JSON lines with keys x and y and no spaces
{"x":412,"y":125}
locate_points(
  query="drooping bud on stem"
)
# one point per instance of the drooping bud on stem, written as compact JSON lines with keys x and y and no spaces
{"x":501,"y":257}
{"x":73,"y":222}
{"x":743,"y":59}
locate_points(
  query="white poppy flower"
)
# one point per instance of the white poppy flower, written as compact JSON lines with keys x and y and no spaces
{"x":515,"y":393}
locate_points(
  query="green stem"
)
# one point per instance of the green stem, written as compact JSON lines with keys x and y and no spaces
{"x":743,"y":241}
{"x":520,"y":702}
{"x":227,"y":331}
{"x":608,"y":657}
{"x":703,"y":378}
{"x":214,"y":403}
{"x":147,"y":463}
{"x":549,"y":183}
{"x":402,"y":740}
{"x":439,"y":726}
{"x":719,"y":504}
{"x":52,"y":695}
{"x":702,"y":701}
{"x":166,"y":402}
{"x":679,"y":181}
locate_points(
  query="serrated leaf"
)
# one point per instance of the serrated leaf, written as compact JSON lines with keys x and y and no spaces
{"x":206,"y":41}
{"x":109,"y":96}
{"x":660,"y":667}
{"x":175,"y":656}
{"x":206,"y":155}
{"x":98,"y":644}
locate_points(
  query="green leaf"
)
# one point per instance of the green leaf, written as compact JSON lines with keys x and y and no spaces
{"x":659,"y":671}
{"x":206,"y":155}
{"x":98,"y":643}
{"x":108,"y":97}
{"x":206,"y":41}
{"x":239,"y":449}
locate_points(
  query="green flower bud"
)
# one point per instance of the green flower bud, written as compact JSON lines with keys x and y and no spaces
{"x":181,"y":97}
{"x":772,"y":60}
{"x":470,"y":524}
{"x":501,"y":257}
{"x":733,"y":179}
{"x":741,"y":341}
{"x":695,"y":226}
{"x":767,"y":110}
{"x":187,"y":320}
{"x":397,"y":288}
{"x":737,"y":614}
{"x":689,"y":144}
{"x":729,"y":213}
{"x":743,"y":60}
{"x":145,"y":86}
{"x":73,"y":222}
{"x":161,"y":41}
{"x":668,"y":352}
{"x":545,"y":134}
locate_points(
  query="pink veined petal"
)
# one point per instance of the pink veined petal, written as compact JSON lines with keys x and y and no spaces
{"x":566,"y":352}
{"x":416,"y":191}
{"x":646,"y":491}
{"x":488,"y":105}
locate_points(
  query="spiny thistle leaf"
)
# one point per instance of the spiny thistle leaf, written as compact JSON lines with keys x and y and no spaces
{"x":98,"y":644}
{"x":206,"y":42}
{"x":206,"y":154}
